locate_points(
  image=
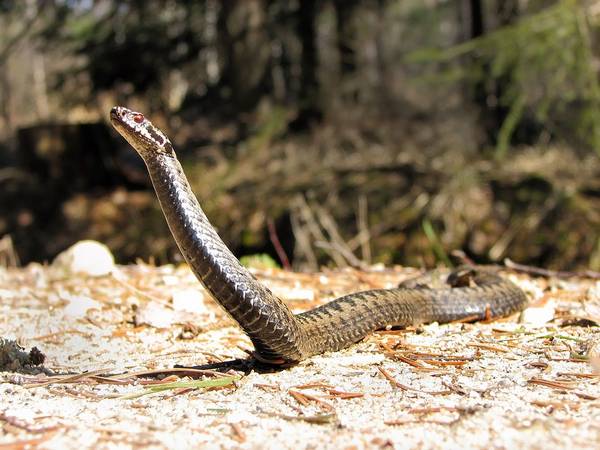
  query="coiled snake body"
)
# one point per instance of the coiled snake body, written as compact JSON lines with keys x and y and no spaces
{"x":278,"y":335}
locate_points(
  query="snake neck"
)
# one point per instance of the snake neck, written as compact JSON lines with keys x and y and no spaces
{"x":270,"y":325}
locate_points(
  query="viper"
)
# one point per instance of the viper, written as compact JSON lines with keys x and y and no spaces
{"x":278,"y":335}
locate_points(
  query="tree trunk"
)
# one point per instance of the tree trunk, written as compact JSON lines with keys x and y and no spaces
{"x":382,"y":69}
{"x":477,"y":20}
{"x":507,"y":11}
{"x":5,"y":102}
{"x":488,"y":92}
{"x":310,"y":108}
{"x":243,"y":42}
{"x":42,"y":104}
{"x":345,"y":11}
{"x":346,"y":35}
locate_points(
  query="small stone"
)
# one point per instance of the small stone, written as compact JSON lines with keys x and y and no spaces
{"x":190,"y":300}
{"x":593,"y":293}
{"x":294,"y":293}
{"x":539,"y":315}
{"x":85,"y":257}
{"x":155,"y":315}
{"x":79,"y":305}
{"x":171,"y":280}
{"x":593,"y":354}
{"x":592,"y":302}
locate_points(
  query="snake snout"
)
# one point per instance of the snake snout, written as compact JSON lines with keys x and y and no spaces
{"x":117,"y":113}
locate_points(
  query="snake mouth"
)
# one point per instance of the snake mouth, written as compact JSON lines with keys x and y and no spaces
{"x":116,"y":114}
{"x":121,"y":116}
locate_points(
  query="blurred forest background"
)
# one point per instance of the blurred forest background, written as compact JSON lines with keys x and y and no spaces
{"x":340,"y":132}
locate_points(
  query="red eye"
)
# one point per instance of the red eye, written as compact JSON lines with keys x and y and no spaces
{"x":138,"y":118}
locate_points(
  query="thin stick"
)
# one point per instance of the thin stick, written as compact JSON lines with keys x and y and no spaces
{"x":342,"y":250}
{"x":8,"y":253}
{"x":309,"y":218}
{"x":303,"y":242}
{"x":335,"y":238}
{"x":285,"y":262}
{"x":362,"y":220}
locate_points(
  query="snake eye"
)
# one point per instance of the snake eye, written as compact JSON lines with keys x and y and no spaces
{"x":138,"y":118}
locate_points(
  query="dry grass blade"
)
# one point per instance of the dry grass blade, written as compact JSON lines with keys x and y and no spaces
{"x":420,"y":420}
{"x":334,"y":393}
{"x":304,"y":399}
{"x":181,"y":371}
{"x":435,"y":362}
{"x":491,"y":347}
{"x":238,"y":432}
{"x":267,"y":387}
{"x":578,"y":375}
{"x":299,"y":397}
{"x":388,"y":376}
{"x":556,"y":404}
{"x":458,"y":412}
{"x":195,"y":384}
{"x":314,"y":386}
{"x":554,"y":384}
{"x":418,"y":365}
{"x":319,"y":419}
{"x":68,"y":379}
{"x":126,"y":378}
{"x":410,"y":361}
{"x":586,"y":396}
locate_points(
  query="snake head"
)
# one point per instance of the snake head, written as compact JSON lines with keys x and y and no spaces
{"x":140,"y":133}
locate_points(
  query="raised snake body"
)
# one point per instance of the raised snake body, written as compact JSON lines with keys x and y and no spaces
{"x":278,"y":335}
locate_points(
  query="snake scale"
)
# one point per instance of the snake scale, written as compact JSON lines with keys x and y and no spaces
{"x":278,"y":335}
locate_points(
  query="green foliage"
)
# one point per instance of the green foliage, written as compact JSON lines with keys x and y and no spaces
{"x":595,"y":257}
{"x":547,"y":60}
{"x":436,"y":245}
{"x":134,"y":42}
{"x":259,"y":261}
{"x":272,"y":124}
{"x":193,"y":384}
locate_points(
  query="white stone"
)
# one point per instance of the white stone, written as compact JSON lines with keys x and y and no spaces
{"x":594,"y":355}
{"x":155,"y":315}
{"x":539,"y":315}
{"x":171,"y":280}
{"x":592,"y":302}
{"x":293,"y":293}
{"x":85,"y":257}
{"x":79,"y":305}
{"x":190,"y":300}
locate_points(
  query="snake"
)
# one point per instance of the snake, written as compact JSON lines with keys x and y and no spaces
{"x":279,"y":336}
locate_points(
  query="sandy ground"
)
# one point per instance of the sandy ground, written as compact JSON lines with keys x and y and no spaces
{"x":525,"y":382}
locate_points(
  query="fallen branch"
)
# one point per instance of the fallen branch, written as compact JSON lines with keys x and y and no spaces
{"x":532,"y":270}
